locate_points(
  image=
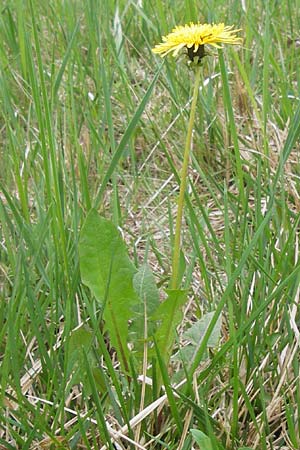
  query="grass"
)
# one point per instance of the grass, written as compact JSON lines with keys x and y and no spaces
{"x":91,"y":118}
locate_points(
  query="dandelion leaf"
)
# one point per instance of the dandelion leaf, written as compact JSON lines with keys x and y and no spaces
{"x":81,"y":344}
{"x":202,"y":440}
{"x":195,"y":334}
{"x":148,"y":294}
{"x":197,"y":331}
{"x":107,"y":270}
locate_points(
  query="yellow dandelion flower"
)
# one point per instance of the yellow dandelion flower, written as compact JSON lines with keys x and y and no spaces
{"x":194,"y":36}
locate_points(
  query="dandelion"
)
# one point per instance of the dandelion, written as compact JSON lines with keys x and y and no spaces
{"x":193,"y":37}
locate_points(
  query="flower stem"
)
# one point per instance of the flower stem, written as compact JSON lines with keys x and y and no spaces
{"x":183,"y":183}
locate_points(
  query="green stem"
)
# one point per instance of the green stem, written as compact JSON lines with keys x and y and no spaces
{"x":183,"y":183}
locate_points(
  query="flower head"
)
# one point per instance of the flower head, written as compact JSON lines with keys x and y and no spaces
{"x":194,"y":37}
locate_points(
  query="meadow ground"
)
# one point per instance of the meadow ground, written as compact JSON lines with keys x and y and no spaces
{"x":91,"y":118}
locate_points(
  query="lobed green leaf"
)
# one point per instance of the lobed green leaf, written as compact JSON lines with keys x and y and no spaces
{"x":107,"y":270}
